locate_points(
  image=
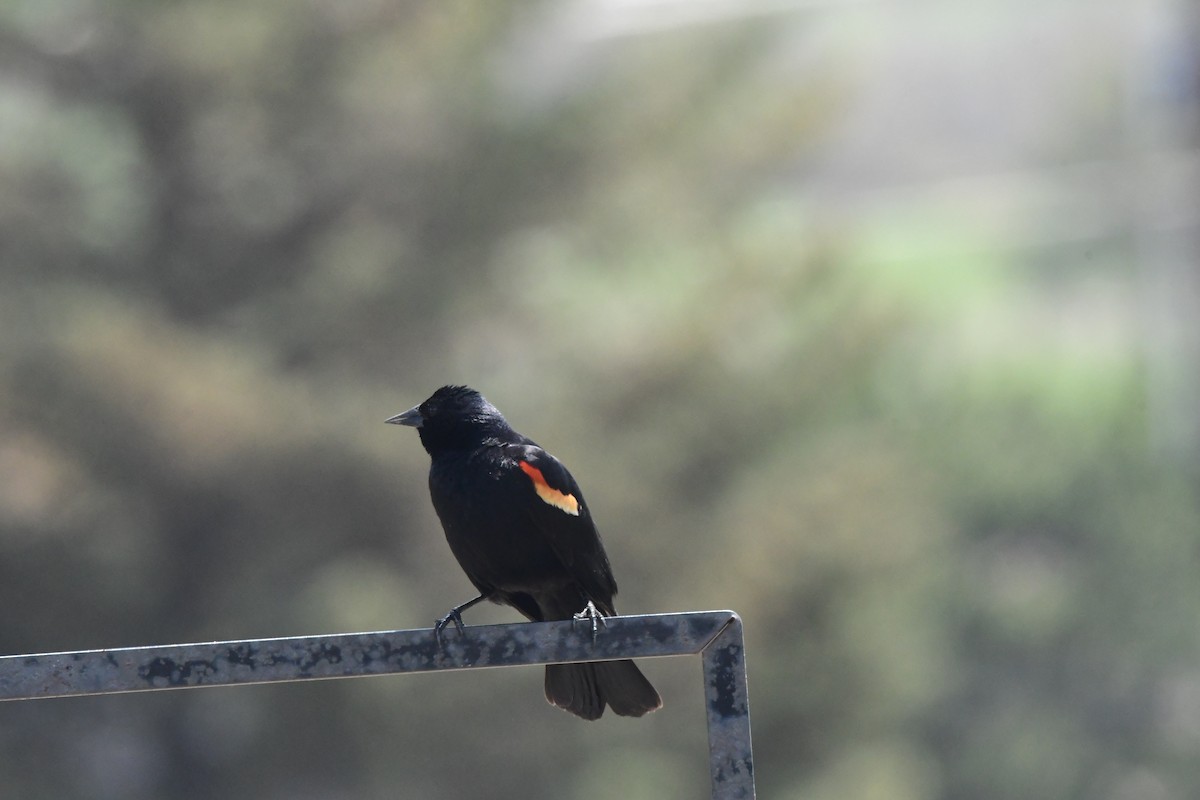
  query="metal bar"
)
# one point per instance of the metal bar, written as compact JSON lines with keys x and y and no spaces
{"x":714,"y":635}
{"x":135,"y":669}
{"x":727,"y":703}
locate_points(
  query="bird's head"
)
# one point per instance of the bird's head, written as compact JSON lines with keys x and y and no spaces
{"x":452,"y":417}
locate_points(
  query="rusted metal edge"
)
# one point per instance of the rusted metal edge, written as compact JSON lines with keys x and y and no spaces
{"x":727,"y":704}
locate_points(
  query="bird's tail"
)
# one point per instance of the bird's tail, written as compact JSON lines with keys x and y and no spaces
{"x":584,"y":689}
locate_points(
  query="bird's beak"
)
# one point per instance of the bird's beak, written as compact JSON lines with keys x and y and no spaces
{"x":411,"y":418}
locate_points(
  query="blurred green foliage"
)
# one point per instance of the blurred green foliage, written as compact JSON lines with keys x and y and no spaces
{"x":234,"y":237}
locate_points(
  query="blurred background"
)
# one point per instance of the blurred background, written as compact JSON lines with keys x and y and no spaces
{"x":874,"y":321}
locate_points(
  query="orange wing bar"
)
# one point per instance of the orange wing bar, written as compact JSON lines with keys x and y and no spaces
{"x":560,"y":500}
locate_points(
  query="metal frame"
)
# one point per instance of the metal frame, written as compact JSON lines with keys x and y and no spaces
{"x":716,"y":636}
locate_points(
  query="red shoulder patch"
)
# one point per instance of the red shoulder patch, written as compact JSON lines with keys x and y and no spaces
{"x":560,"y":500}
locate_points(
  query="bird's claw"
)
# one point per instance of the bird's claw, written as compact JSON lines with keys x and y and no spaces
{"x":454,"y":616}
{"x":590,"y":612}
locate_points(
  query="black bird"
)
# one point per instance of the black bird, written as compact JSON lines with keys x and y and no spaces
{"x":520,"y":528}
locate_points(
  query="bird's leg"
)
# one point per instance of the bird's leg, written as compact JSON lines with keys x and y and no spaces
{"x":590,"y":612}
{"x":455,"y":616}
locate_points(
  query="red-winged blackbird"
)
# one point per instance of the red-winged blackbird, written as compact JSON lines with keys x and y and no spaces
{"x":519,"y":527}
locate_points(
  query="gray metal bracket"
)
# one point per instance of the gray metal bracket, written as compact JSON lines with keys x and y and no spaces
{"x":716,"y":636}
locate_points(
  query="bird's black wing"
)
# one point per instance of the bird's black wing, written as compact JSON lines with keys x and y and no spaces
{"x":560,"y":514}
